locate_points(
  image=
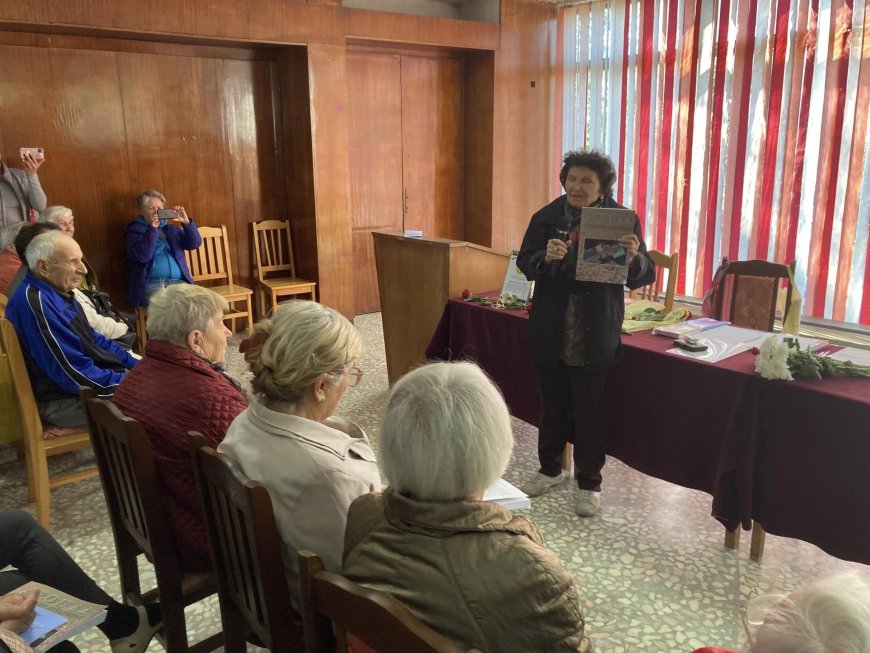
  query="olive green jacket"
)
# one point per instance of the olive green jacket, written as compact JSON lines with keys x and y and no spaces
{"x":470,"y":569}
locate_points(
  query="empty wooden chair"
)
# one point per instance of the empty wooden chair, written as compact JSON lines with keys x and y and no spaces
{"x":41,"y":440}
{"x":333,"y":604}
{"x":141,"y":330}
{"x":665,"y":266}
{"x":273,"y":255}
{"x":134,"y":497}
{"x":751,"y":288}
{"x":247,"y":552}
{"x":212,"y":263}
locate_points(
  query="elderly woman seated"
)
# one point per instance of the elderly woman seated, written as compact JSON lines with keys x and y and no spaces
{"x":180,"y":386}
{"x":469,"y":568}
{"x":314,"y":465}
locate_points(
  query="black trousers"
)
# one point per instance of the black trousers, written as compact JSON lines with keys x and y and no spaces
{"x":572,"y":411}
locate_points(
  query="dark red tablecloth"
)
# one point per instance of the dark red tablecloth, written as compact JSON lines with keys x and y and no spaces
{"x":791,"y":455}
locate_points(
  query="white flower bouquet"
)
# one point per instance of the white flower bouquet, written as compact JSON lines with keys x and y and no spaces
{"x":786,"y":360}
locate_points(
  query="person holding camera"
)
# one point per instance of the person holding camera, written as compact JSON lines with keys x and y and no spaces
{"x":21,"y":196}
{"x":155,"y":248}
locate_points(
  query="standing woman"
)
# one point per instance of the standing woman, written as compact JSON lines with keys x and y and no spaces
{"x":574,"y":328}
{"x":155,"y":249}
{"x":20,"y":192}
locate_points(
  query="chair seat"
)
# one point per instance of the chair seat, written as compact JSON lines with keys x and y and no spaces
{"x":53,"y":431}
{"x":232,"y":290}
{"x":198,"y":585}
{"x":281,"y":283}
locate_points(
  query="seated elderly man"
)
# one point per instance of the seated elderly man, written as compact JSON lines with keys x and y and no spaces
{"x":10,"y":263}
{"x":102,"y":316}
{"x":61,"y":349}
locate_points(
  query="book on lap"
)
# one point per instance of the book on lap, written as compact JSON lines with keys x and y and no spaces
{"x":59,"y":616}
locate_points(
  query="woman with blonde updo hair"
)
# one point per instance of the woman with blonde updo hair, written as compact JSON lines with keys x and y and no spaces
{"x":313,"y":464}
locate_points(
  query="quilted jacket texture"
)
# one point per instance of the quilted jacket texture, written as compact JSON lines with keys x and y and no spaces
{"x":174,"y":391}
{"x":470,"y":569}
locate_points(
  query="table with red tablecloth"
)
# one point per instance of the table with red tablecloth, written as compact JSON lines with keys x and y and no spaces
{"x":790,"y":455}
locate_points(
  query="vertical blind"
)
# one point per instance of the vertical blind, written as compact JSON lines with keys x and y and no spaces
{"x":738,"y":128}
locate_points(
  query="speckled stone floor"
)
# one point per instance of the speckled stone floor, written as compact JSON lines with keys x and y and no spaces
{"x":652,"y":572}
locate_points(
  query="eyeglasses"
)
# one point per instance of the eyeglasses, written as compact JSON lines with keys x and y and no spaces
{"x":355,"y":375}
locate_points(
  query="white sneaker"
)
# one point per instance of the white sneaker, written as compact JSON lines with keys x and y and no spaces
{"x":137,"y":641}
{"x":588,"y":503}
{"x":540,"y":483}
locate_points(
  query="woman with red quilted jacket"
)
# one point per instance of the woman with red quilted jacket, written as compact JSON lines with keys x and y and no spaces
{"x":180,"y":386}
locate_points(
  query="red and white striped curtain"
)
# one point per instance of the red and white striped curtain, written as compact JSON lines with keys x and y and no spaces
{"x":738,"y":128}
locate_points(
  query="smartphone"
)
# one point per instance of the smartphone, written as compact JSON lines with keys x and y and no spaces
{"x":37,"y":152}
{"x":166,"y":214}
{"x":690,"y":344}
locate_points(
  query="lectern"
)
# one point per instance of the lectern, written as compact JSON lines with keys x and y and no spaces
{"x":415,"y":279}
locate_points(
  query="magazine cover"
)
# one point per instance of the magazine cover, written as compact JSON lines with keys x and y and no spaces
{"x":601,"y":257}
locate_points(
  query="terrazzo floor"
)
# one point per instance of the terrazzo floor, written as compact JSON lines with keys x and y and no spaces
{"x":651,"y":571}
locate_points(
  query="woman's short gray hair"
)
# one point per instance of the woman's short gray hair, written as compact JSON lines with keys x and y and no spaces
{"x":181,"y":308}
{"x":145,"y":195}
{"x":446,"y":434}
{"x":54,"y":213}
{"x":8,"y":234}
{"x":831,"y":614}
{"x":301,"y":341}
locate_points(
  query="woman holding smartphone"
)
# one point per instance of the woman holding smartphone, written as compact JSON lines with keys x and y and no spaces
{"x":20,"y":192}
{"x":155,"y":248}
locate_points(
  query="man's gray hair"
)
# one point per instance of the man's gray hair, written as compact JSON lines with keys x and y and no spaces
{"x":145,"y":195}
{"x":8,"y":234}
{"x":42,"y":247}
{"x":831,"y":615}
{"x":446,"y":434}
{"x":181,"y":308}
{"x":54,"y":213}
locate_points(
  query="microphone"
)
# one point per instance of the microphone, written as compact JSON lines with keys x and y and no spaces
{"x":562,"y":228}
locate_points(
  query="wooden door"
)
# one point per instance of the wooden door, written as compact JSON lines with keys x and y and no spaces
{"x":375,"y":150}
{"x":432,"y":145}
{"x":405,"y":133}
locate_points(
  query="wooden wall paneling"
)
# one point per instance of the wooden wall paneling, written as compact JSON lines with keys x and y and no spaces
{"x":176,"y":137}
{"x":477,"y":147}
{"x":394,"y":28}
{"x":295,"y":135}
{"x":68,"y":101}
{"x":523,"y":116}
{"x":375,"y":161}
{"x":257,"y":191}
{"x":432,"y":137}
{"x":327,"y":73}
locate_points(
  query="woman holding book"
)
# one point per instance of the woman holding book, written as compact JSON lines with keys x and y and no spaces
{"x":35,"y":555}
{"x":574,"y":326}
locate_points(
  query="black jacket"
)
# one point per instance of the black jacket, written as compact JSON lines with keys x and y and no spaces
{"x":602,"y":304}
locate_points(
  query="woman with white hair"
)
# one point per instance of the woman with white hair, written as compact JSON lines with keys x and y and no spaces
{"x":180,"y":386}
{"x":469,"y":568}
{"x":314,"y":465}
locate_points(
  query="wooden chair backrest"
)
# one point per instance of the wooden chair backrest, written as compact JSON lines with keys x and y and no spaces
{"x":134,"y":494}
{"x":3,"y":301}
{"x":211,"y":261}
{"x":246,"y":546}
{"x":751,"y":291}
{"x":378,"y":620}
{"x":30,"y":420}
{"x":664,"y":263}
{"x":273,"y":248}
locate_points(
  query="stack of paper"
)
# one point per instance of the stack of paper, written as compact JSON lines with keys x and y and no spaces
{"x":413,"y":233}
{"x":688,"y":328}
{"x":507,"y":495}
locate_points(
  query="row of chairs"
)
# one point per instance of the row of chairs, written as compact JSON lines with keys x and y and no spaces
{"x":274,"y":271}
{"x":247,"y":551}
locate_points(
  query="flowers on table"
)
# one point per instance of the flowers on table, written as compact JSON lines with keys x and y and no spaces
{"x":786,"y":360}
{"x":507,"y":300}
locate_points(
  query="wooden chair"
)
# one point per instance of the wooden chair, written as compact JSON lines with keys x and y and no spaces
{"x":651,"y":292}
{"x":41,"y":441}
{"x":3,"y":301}
{"x":211,"y":262}
{"x":749,"y":296}
{"x":273,"y":253}
{"x":748,"y":299}
{"x":141,"y":327}
{"x":333,"y":604}
{"x":247,"y":552}
{"x":140,"y":524}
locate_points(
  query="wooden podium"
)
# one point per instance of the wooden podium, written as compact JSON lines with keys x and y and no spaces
{"x":415,"y":279}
